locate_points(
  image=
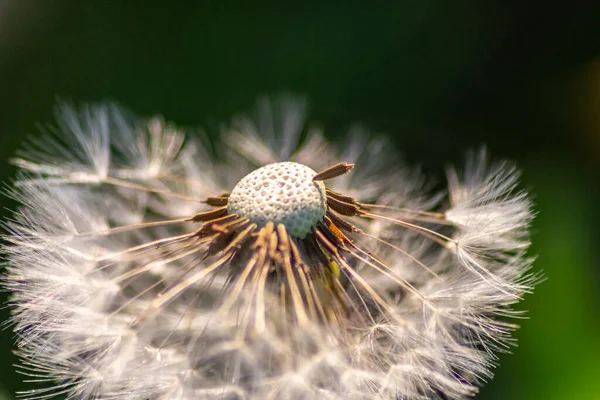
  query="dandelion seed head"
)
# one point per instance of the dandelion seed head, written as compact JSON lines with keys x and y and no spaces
{"x":282,"y":193}
{"x":140,"y":267}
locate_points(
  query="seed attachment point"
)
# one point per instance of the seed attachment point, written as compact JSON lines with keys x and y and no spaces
{"x":281,"y":193}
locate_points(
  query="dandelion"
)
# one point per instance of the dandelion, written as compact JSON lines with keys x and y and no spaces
{"x":141,"y":265}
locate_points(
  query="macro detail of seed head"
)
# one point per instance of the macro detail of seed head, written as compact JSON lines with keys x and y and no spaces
{"x":282,"y":193}
{"x":143,"y":266}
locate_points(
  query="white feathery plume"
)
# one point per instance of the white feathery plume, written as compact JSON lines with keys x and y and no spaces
{"x":140,"y":266}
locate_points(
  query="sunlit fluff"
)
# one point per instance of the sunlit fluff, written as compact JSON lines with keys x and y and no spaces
{"x":139,"y":270}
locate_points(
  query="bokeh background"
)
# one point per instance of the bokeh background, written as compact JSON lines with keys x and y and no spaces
{"x":437,"y":77}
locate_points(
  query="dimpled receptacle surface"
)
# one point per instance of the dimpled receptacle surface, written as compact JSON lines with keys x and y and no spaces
{"x":283,"y":193}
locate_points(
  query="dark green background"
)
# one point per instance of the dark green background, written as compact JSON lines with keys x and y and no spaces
{"x":437,"y":77}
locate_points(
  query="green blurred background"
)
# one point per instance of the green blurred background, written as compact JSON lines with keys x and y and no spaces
{"x":436,"y":77}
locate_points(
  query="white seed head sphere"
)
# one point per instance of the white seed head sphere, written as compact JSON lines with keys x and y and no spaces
{"x":282,"y":193}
